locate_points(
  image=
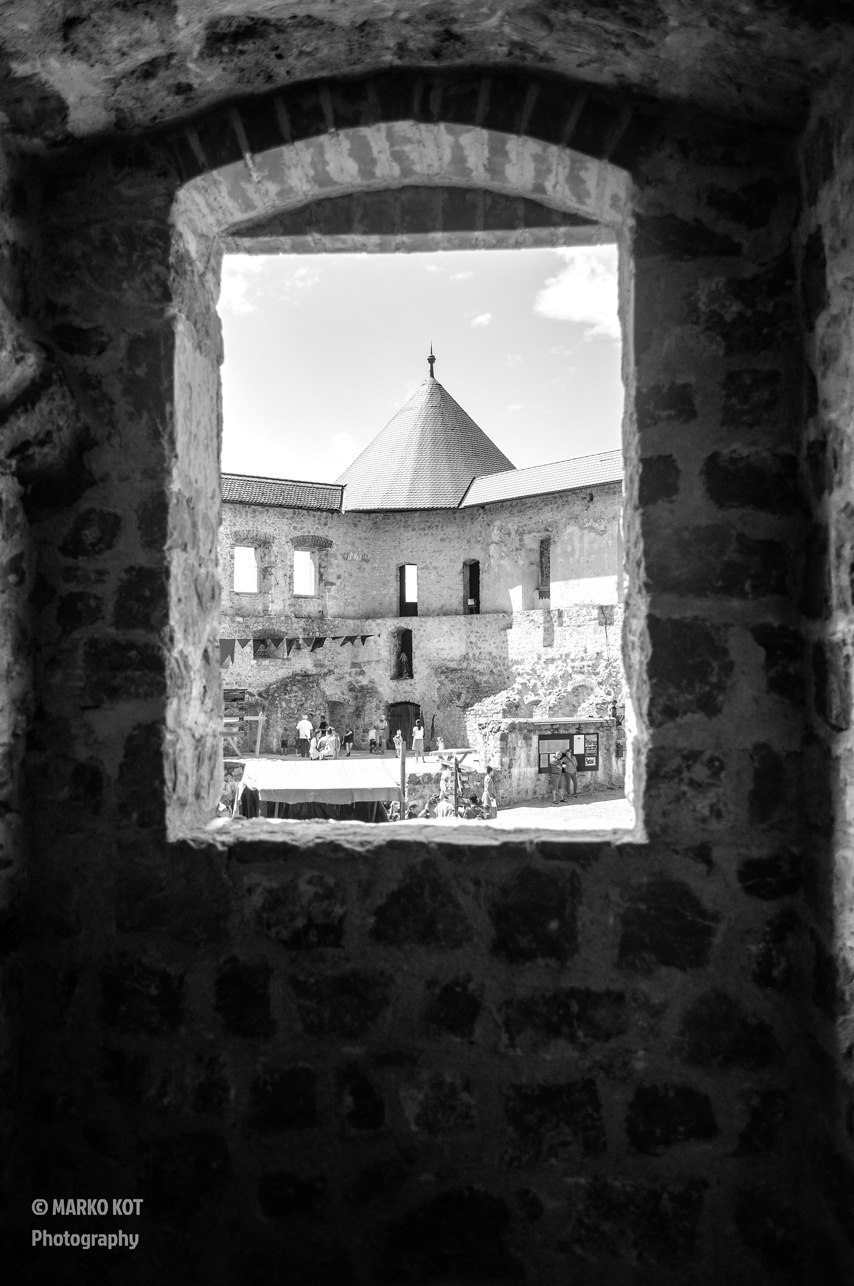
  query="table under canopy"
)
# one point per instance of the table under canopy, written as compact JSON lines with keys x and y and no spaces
{"x":323,"y":781}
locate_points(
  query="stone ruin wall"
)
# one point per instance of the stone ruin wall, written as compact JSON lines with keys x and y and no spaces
{"x":343,"y":1052}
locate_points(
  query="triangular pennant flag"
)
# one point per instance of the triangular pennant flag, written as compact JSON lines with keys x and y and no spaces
{"x":365,"y":636}
{"x":318,"y":642}
{"x":289,"y":645}
{"x":349,"y":638}
{"x":226,"y":651}
{"x":244,"y":642}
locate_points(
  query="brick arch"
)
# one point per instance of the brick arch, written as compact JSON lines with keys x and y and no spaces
{"x":551,"y":142}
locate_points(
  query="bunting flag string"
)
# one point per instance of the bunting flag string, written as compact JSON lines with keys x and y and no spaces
{"x":277,"y":647}
{"x":290,"y":644}
{"x":365,"y":636}
{"x":318,"y":642}
{"x":226,"y":651}
{"x":348,"y":638}
{"x":243,"y":642}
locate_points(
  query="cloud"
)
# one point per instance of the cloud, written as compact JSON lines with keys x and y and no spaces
{"x":482,"y":319}
{"x":516,"y":406}
{"x":461,"y":276}
{"x":431,"y":267}
{"x":240,"y":279}
{"x":584,"y":291}
{"x":251,"y":280}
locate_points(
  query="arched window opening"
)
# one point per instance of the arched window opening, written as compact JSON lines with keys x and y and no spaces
{"x":407,"y":589}
{"x":471,"y":587}
{"x":403,"y":668}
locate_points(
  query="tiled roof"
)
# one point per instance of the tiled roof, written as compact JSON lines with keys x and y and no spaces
{"x":239,"y":489}
{"x":563,"y":475}
{"x":424,"y":458}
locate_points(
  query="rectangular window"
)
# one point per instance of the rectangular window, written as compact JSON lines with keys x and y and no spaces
{"x":471,"y":587}
{"x":245,"y":570}
{"x":408,"y":587}
{"x":305,"y":573}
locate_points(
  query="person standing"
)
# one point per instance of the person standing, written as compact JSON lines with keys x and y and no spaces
{"x":418,"y":741}
{"x":571,"y":768}
{"x":347,"y":742}
{"x":372,"y":741}
{"x":557,"y":773}
{"x":382,"y":731}
{"x":489,"y":799}
{"x":398,"y":742}
{"x":304,"y":733}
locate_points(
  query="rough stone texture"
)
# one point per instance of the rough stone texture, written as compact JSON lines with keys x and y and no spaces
{"x":121,"y":1070}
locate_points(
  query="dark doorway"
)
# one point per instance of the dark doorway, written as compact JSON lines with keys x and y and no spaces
{"x":471,"y":587}
{"x":402,"y":715}
{"x":407,"y":575}
{"x":402,"y":662}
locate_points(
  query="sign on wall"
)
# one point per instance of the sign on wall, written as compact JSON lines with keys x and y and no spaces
{"x":584,"y":745}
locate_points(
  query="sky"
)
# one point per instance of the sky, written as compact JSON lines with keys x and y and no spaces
{"x":322,"y":350}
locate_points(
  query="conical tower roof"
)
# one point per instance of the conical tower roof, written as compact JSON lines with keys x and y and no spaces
{"x":424,"y":458}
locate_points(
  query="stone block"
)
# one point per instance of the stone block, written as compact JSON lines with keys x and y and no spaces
{"x":717,"y":1032}
{"x":117,"y":669}
{"x":774,"y":959}
{"x":423,"y":911}
{"x":766,"y":1110}
{"x":657,"y":405}
{"x":438,"y":1104}
{"x":665,"y":925}
{"x":283,"y":1098}
{"x":457,"y":1236}
{"x":344,"y":1004}
{"x":751,"y":205}
{"x":243,"y":997}
{"x":763,"y":480}
{"x":361,"y":1103}
{"x":74,"y":611}
{"x":784,"y":661}
{"x":282,"y":1193}
{"x":747,"y":315}
{"x":535,"y":916}
{"x":303,"y":913}
{"x":711,"y":560}
{"x":638,"y":1224}
{"x":579,"y":1016}
{"x":140,"y":997}
{"x":553,"y":1122}
{"x":752,"y":399}
{"x":141,"y":776}
{"x":142,"y":899}
{"x":690,"y":669}
{"x":453,"y":1007}
{"x":659,"y":479}
{"x":831,"y":669}
{"x":827,"y":995}
{"x":142,"y":599}
{"x":93,"y":532}
{"x":778,"y":875}
{"x":774,"y":783}
{"x":685,"y":788}
{"x":660,"y":1116}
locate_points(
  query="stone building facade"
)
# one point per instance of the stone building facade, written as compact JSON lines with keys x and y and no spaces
{"x":519,"y":594}
{"x":379,"y":1059}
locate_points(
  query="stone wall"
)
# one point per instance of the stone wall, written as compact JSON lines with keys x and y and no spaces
{"x":826,"y":604}
{"x":361,"y":553}
{"x":378,"y":1055}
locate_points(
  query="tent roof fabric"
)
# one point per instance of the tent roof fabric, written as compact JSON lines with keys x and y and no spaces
{"x":323,"y":781}
{"x":424,"y":458}
{"x":562,"y":475}
{"x":243,"y":489}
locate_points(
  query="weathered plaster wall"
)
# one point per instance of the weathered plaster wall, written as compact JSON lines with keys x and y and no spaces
{"x":358,"y":567}
{"x":371,"y":1058}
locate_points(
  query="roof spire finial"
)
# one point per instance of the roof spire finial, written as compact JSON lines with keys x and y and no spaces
{"x":431,"y":359}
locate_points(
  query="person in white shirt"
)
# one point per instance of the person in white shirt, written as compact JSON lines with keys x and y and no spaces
{"x":304,"y":730}
{"x":418,"y":740}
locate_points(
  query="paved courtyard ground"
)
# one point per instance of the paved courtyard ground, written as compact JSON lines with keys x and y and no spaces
{"x":602,"y":810}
